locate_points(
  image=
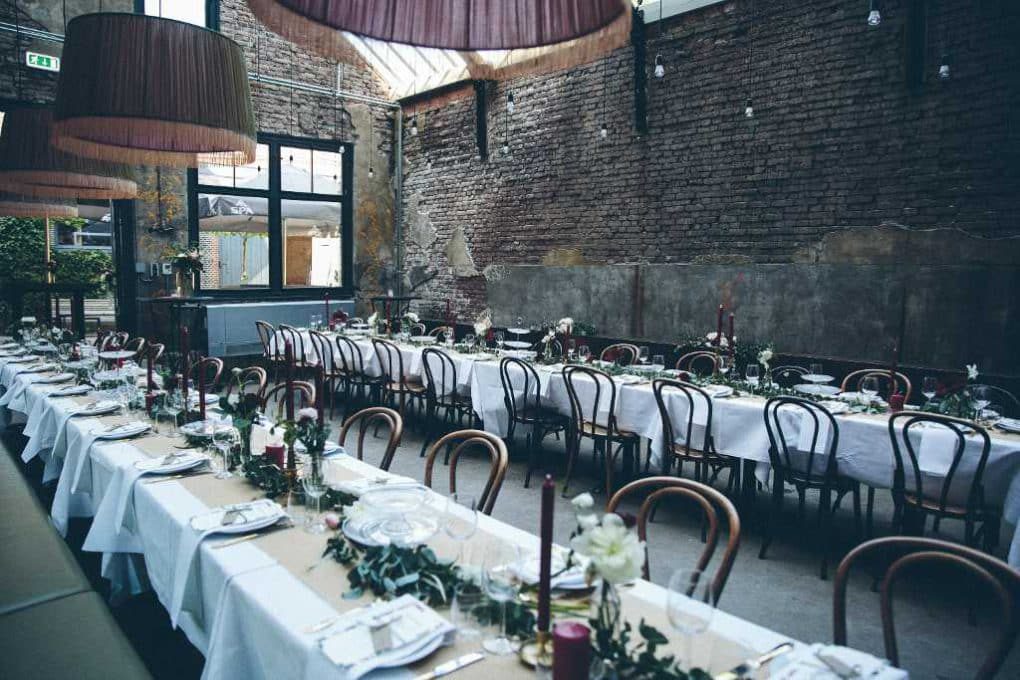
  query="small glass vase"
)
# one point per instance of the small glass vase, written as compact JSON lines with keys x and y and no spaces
{"x":605,"y":613}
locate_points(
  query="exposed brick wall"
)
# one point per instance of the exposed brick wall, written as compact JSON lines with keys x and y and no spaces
{"x":837,"y":140}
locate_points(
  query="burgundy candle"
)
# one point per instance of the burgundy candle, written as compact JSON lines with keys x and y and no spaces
{"x":276,"y":452}
{"x":149,"y":383}
{"x":318,"y":396}
{"x":732,"y":346}
{"x":185,"y":352}
{"x":545,"y":554}
{"x":288,"y":353}
{"x":718,"y":327}
{"x":201,"y":390}
{"x":571,"y":651}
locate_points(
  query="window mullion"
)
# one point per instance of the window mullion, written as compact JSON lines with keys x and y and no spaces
{"x":275,"y":224}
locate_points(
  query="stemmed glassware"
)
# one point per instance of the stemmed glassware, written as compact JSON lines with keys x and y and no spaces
{"x":500,"y":339}
{"x":460,"y":519}
{"x":314,"y":482}
{"x":725,"y":364}
{"x":643,"y":354}
{"x":659,"y":360}
{"x":751,"y":374}
{"x":468,"y":600}
{"x":929,"y":387}
{"x":584,"y":353}
{"x":501,"y":582}
{"x":571,"y":349}
{"x":225,"y":439}
{"x":690,"y":606}
{"x":982,"y":398}
{"x":869,"y":387}
{"x":469,"y":340}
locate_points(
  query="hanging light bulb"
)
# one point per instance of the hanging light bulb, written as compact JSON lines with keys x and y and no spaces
{"x":510,"y":106}
{"x":874,"y":16}
{"x":371,"y":171}
{"x":660,"y":70}
{"x":603,"y":131}
{"x":748,"y":109}
{"x":414,"y":127}
{"x":505,"y":149}
{"x":944,"y":67}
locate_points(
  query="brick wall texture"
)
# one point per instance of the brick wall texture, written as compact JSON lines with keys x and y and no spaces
{"x":837,"y":139}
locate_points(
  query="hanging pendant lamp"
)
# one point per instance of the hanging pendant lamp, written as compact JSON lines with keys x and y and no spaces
{"x":30,"y":165}
{"x":147,"y":90}
{"x":17,"y":205}
{"x":552,"y":33}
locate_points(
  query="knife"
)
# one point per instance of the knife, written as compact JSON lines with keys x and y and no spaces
{"x":452,"y":666}
{"x":746,"y":668}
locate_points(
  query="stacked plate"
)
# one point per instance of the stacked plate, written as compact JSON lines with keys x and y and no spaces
{"x":98,"y":408}
{"x":177,"y":461}
{"x":71,"y":390}
{"x":392,"y":514}
{"x":124,"y":431}
{"x":1009,"y":424}
{"x":239,"y":518}
{"x":54,"y":379}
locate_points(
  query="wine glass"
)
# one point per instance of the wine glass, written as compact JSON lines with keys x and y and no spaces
{"x":584,"y":353}
{"x":982,"y":396}
{"x":751,"y":374}
{"x":501,"y":583}
{"x":659,"y":360}
{"x":643,"y":354}
{"x":314,"y":482}
{"x":929,"y":387}
{"x":469,"y":340}
{"x":690,"y":606}
{"x":725,"y":364}
{"x":500,"y":339}
{"x":815,"y":370}
{"x":460,"y":519}
{"x":571,"y":349}
{"x":869,"y":387}
{"x":225,"y":439}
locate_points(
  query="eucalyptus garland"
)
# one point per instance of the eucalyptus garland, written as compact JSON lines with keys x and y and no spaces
{"x":641,"y":660}
{"x":266,"y":475}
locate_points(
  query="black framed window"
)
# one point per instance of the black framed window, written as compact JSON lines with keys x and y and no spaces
{"x":199,"y":12}
{"x":281,"y":226}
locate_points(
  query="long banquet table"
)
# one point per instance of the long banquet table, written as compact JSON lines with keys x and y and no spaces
{"x":864,"y":452}
{"x":248,"y":607}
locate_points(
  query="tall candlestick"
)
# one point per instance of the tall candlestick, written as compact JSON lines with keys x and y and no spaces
{"x":201,"y":389}
{"x":288,"y":353}
{"x":389,"y":325}
{"x":545,"y":554}
{"x":149,"y":383}
{"x":327,"y":319}
{"x":718,"y":327}
{"x":732,"y":346}
{"x":319,"y":384}
{"x":186,"y":367}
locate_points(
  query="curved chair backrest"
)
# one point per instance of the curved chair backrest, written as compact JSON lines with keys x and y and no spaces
{"x":297,"y":342}
{"x":522,"y":392}
{"x":155,"y":350}
{"x":902,"y":424}
{"x":266,"y":333}
{"x":304,"y":396}
{"x":603,"y":392}
{"x":211,"y":368}
{"x":445,"y":331}
{"x":711,"y":502}
{"x":349,"y":353}
{"x":416,"y":329}
{"x":852,"y":382}
{"x":366,"y":417}
{"x":622,"y":353}
{"x":391,"y":359}
{"x":253,"y":380}
{"x":465,"y":440}
{"x":993,"y":574}
{"x":694,"y":397}
{"x":1005,"y":402}
{"x":322,"y":348}
{"x":787,"y":376}
{"x":440,"y":373}
{"x":816,"y":461}
{"x":136,"y":345}
{"x":701,"y":359}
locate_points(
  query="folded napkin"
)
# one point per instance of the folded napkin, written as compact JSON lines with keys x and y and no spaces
{"x":239,"y":518}
{"x":129,"y":474}
{"x":71,"y":391}
{"x":937,"y":449}
{"x":571,"y":579}
{"x":384,"y":635}
{"x":89,"y":439}
{"x":356,"y":487}
{"x":824,"y":662}
{"x":54,"y":379}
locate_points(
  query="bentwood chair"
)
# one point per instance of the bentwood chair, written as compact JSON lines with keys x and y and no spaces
{"x":303,"y":392}
{"x":332,"y":370}
{"x":592,"y":396}
{"x":788,"y":376}
{"x":907,"y":554}
{"x":416,"y":329}
{"x":443,"y":394}
{"x":809,"y":462}
{"x":155,"y":350}
{"x":136,"y":345}
{"x":711,"y":504}
{"x":304,"y":361}
{"x":397,"y":388}
{"x":701,"y":362}
{"x":1004,"y":401}
{"x":272,"y":347}
{"x":442,"y":331}
{"x":252,"y":380}
{"x":695,"y":446}
{"x":357,"y":386}
{"x":209,"y":368}
{"x":463,"y":441}
{"x":949,"y":489}
{"x":622,"y":353}
{"x":522,"y":396}
{"x":852,"y":382}
{"x":113,"y":339}
{"x":374,"y":415}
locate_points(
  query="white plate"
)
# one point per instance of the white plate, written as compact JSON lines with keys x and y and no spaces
{"x":256,"y":515}
{"x":116,"y":355}
{"x":519,"y":331}
{"x":209,"y":399}
{"x":646,"y":368}
{"x":71,"y":390}
{"x":183,"y":460}
{"x":423,"y":339}
{"x":100,"y":408}
{"x":817,"y":390}
{"x":366,"y":530}
{"x":1009,"y":424}
{"x":517,"y":344}
{"x":817,"y":378}
{"x":20,"y":360}
{"x":718,"y":391}
{"x":124,"y":431}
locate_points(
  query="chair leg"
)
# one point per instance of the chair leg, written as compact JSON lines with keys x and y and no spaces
{"x":869,"y":516}
{"x":825,"y":511}
{"x":857,"y":510}
{"x":772,"y":516}
{"x":573,"y":450}
{"x":429,"y":429}
{"x":608,"y":458}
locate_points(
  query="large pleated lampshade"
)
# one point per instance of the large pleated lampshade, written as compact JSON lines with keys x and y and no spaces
{"x":557,"y":33}
{"x":30,"y":165}
{"x":18,"y":205}
{"x":147,"y":90}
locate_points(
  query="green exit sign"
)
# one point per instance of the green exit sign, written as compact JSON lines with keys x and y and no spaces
{"x":45,"y":62}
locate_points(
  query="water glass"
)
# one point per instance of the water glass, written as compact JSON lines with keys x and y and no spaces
{"x":466,"y":605}
{"x":869,"y":386}
{"x":751,"y":374}
{"x":501,"y":583}
{"x":690,"y":606}
{"x":982,"y":398}
{"x":571,"y":349}
{"x":225,"y":439}
{"x":659,"y":360}
{"x":725,"y":364}
{"x":314,"y":482}
{"x":460,"y":520}
{"x":584,"y":353}
{"x":643,"y":354}
{"x":815,"y":369}
{"x":500,"y":339}
{"x":469,"y":340}
{"x":929,"y":387}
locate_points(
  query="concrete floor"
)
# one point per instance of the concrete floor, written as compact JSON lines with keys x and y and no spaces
{"x":782,"y":592}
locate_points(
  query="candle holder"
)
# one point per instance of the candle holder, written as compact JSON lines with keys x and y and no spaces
{"x":538,"y":650}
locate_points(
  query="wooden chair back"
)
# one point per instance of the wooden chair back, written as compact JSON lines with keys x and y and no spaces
{"x":622,"y":353}
{"x":391,"y":360}
{"x":349,"y":354}
{"x":155,"y":350}
{"x":440,"y":374}
{"x":445,"y":331}
{"x":852,"y":382}
{"x":712,"y":504}
{"x":463,"y":441}
{"x":794,"y":463}
{"x":701,"y":359}
{"x":376,"y":414}
{"x":322,"y":348}
{"x":1006,"y":403}
{"x":910,"y":552}
{"x":136,"y":345}
{"x":900,"y":427}
{"x":253,"y":380}
{"x":267,"y":332}
{"x":304,"y":397}
{"x":787,"y":376}
{"x":297,"y":342}
{"x":211,"y":368}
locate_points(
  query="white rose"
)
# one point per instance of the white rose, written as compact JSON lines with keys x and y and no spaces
{"x":565,"y":325}
{"x":584,"y":501}
{"x":549,"y":337}
{"x":587,"y":521}
{"x":972,"y":372}
{"x":372,"y":319}
{"x":307,"y":414}
{"x":236,"y":372}
{"x":615,"y":552}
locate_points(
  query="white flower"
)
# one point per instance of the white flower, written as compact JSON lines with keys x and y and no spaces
{"x":234,"y":399}
{"x":723,"y":341}
{"x":236,"y":372}
{"x":765,"y":356}
{"x":587,"y":521}
{"x":411,"y":317}
{"x":565,"y":325}
{"x":615,"y":552}
{"x":972,"y":372}
{"x":549,"y":337}
{"x":584,"y":501}
{"x":307,"y":414}
{"x":373,"y":319}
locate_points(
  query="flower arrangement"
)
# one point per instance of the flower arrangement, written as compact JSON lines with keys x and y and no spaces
{"x":565,"y":326}
{"x":243,"y":409}
{"x":373,"y":322}
{"x":956,"y":399}
{"x":188,"y":261}
{"x":482,"y":324}
{"x":59,"y":336}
